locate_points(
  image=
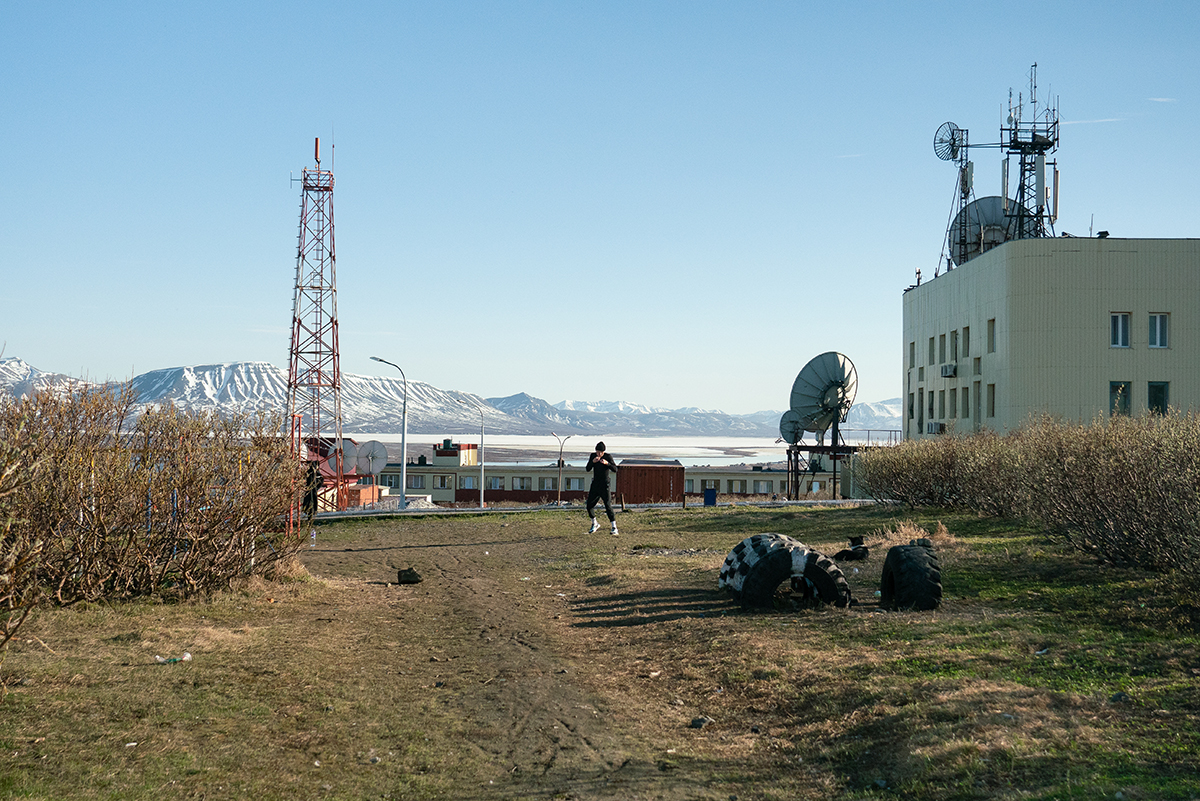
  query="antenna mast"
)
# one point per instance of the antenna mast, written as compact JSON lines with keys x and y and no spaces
{"x":1031,"y":214}
{"x":314,"y":372}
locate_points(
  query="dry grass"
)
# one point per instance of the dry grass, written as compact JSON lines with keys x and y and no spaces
{"x":537,"y":662}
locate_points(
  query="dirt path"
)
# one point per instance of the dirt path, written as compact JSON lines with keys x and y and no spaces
{"x":509,"y":648}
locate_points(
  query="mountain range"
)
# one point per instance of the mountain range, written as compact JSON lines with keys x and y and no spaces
{"x":372,"y":404}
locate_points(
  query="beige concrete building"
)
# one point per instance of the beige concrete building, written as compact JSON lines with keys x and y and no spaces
{"x":1074,"y":327}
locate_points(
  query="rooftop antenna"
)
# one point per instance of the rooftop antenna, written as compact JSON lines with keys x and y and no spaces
{"x":978,"y":225}
{"x":1029,"y":141}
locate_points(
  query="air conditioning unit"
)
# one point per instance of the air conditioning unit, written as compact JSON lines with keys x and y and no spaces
{"x":949,"y":370}
{"x":935,"y":428}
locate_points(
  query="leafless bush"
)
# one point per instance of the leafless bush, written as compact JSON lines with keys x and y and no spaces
{"x":174,"y":503}
{"x":915,"y":472}
{"x":19,"y":548}
{"x":1124,"y":489}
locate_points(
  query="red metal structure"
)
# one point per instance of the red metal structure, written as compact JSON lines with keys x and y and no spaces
{"x":314,"y":372}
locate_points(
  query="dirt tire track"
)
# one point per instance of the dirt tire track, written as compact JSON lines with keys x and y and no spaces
{"x":507,"y":673}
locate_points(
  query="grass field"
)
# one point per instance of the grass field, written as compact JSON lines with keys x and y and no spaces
{"x":535,"y":661}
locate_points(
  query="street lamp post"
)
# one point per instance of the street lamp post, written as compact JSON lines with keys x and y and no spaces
{"x":561,"y":442}
{"x":403,"y":436}
{"x":480,"y":408}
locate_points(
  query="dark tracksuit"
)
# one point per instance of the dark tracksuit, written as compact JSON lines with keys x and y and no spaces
{"x":599,"y":490}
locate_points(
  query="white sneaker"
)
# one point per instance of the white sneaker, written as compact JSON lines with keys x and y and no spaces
{"x":614,"y":531}
{"x":595,"y":527}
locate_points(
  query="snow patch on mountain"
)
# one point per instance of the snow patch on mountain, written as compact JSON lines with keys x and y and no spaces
{"x":610,"y":407}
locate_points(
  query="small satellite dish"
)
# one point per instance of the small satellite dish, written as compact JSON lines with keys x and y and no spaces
{"x":791,"y":428}
{"x":947,"y":141}
{"x":372,"y":458}
{"x":986,"y":226}
{"x":824,"y":391}
{"x":349,"y":453}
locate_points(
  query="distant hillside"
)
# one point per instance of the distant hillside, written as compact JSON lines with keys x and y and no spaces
{"x":372,"y":404}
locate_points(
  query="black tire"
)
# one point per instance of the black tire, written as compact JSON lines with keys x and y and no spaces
{"x":826,"y":579}
{"x":912,"y":579}
{"x":758,"y":565}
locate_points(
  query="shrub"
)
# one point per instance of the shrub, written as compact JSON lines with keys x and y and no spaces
{"x":171,"y":502}
{"x":1124,"y":489}
{"x":19,"y":546}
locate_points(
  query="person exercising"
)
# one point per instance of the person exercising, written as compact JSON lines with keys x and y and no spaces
{"x":599,"y":464}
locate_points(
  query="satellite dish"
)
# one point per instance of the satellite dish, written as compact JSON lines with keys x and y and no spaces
{"x":947,"y":141}
{"x":349,"y":452}
{"x":372,"y":458}
{"x":824,"y":391}
{"x":986,"y":226}
{"x":791,"y":428}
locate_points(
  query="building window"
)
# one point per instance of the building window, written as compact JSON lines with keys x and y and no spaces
{"x":495,"y":482}
{"x":991,"y":336}
{"x":1157,"y":397}
{"x":710,"y":483}
{"x":941,"y":348}
{"x":912,"y":401}
{"x":966,"y":403}
{"x":941,"y":404}
{"x":688,"y":483}
{"x":548,"y":483}
{"x":443,"y":482}
{"x":1158,"y":330}
{"x":920,"y":373}
{"x":1119,"y":330}
{"x":912,"y":354}
{"x":920,"y":409}
{"x":991,"y":400}
{"x":953,"y":404}
{"x":1118,"y":397}
{"x":468,"y":482}
{"x":977,"y":365}
{"x":416,"y":482}
{"x":737,"y":486}
{"x":931,"y":404}
{"x":522,"y":483}
{"x":762,"y":487}
{"x":966,"y":342}
{"x":573,"y":483}
{"x":931,"y":361}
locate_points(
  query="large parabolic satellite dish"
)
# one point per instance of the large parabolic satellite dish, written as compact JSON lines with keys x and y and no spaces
{"x":982,"y":225}
{"x":823,"y":392}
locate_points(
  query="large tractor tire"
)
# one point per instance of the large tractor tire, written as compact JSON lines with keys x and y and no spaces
{"x":912,"y":578}
{"x":758,"y":565}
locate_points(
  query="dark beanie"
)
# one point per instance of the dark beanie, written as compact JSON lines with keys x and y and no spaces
{"x":600,"y":446}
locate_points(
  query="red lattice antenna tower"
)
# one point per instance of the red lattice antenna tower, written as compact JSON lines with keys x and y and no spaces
{"x":315,"y":373}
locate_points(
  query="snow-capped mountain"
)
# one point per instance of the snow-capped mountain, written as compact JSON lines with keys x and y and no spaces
{"x":373,"y":404}
{"x":19,"y":379}
{"x":370,"y":404}
{"x":881,"y":414}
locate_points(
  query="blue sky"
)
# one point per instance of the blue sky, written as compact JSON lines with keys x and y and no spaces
{"x":673,"y":203}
